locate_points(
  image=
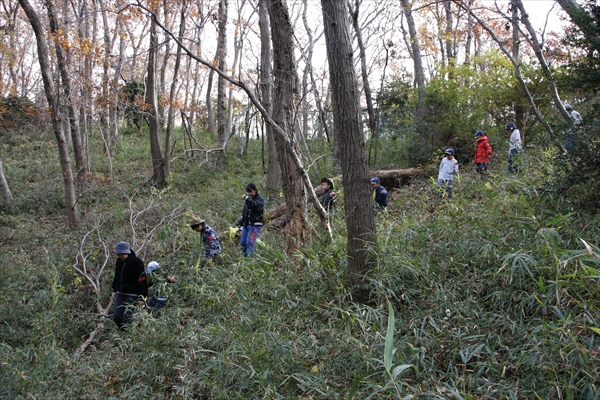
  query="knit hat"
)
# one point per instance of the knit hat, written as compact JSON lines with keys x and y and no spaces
{"x":196,"y":221}
{"x":152,"y":266}
{"x":122,"y":248}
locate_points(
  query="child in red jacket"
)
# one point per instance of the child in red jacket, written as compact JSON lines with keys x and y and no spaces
{"x":482,"y":151}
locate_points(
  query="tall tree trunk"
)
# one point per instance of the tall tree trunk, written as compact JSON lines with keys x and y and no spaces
{"x":360,"y":220}
{"x":210,"y":114}
{"x":114,"y":85}
{"x":364,"y":71}
{"x":222,"y":83}
{"x":67,"y":85}
{"x":415,"y":52}
{"x":174,"y":87}
{"x":450,"y":52}
{"x":194,"y":102}
{"x":537,"y":49}
{"x":238,"y":46}
{"x":266,"y":88}
{"x":284,"y":72}
{"x":106,"y":95}
{"x":85,"y":71}
{"x":470,"y":26}
{"x":5,"y":190}
{"x":158,"y":166}
{"x":518,"y":107}
{"x":63,"y":150}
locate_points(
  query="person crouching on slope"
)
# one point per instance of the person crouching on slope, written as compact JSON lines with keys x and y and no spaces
{"x":483,"y":150}
{"x":212,"y":247}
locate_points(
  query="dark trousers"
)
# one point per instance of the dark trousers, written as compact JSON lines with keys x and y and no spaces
{"x":123,"y":308}
{"x":512,"y":163}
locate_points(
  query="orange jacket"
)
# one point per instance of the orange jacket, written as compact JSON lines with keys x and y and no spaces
{"x":483,"y":150}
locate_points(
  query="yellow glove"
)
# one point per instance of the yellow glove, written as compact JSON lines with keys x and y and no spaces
{"x":233,"y":231}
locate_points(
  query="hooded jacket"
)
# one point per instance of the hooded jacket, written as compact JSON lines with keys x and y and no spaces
{"x":483,"y":150}
{"x":130,"y":277}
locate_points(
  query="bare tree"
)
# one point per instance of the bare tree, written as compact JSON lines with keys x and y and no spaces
{"x":289,"y":145}
{"x":516,"y":47}
{"x":415,"y":53}
{"x":284,"y":94}
{"x":449,"y":36}
{"x":537,"y":49}
{"x":222,"y":83}
{"x":363,"y":68}
{"x":266,"y":87}
{"x":67,"y":85}
{"x":158,"y":166}
{"x":172,"y":93}
{"x":51,"y":97}
{"x":516,"y":65}
{"x":5,"y":190}
{"x":470,"y":26}
{"x":360,"y":220}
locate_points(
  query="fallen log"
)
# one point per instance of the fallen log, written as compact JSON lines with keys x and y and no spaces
{"x":394,"y":178}
{"x":390,"y":178}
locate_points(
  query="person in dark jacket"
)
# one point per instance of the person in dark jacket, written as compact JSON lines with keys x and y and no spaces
{"x":252,"y":219}
{"x":212,"y":248}
{"x":328,"y":199}
{"x":379,"y":194}
{"x":129,"y":284}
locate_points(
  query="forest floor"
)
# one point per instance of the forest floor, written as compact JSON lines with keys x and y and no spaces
{"x":495,"y":293}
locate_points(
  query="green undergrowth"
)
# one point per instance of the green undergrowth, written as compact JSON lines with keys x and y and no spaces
{"x":495,"y":293}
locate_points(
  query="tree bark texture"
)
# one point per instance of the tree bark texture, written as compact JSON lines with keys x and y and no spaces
{"x":63,"y":149}
{"x":67,"y":86}
{"x":348,"y":131}
{"x":285,"y":85}
{"x":364,"y":71}
{"x":266,"y":89}
{"x":5,"y":190}
{"x":159,"y":179}
{"x":415,"y":52}
{"x":172,"y":93}
{"x":470,"y":26}
{"x":450,"y":50}
{"x":221,"y":82}
{"x":516,"y":49}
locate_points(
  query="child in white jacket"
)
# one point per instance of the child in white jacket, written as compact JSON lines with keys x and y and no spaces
{"x":448,"y":170}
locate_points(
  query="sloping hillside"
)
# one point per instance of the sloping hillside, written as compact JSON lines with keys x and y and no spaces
{"x":495,"y":292}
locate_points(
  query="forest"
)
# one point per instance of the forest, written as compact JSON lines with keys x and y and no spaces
{"x":124,"y":121}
